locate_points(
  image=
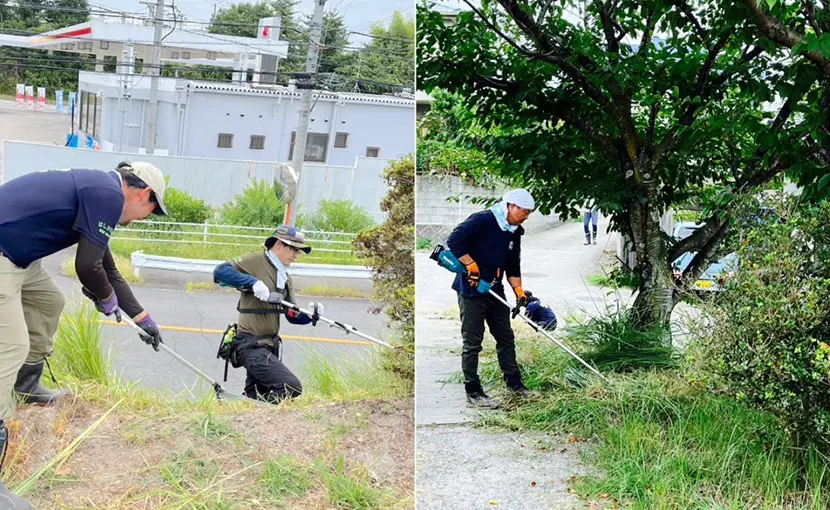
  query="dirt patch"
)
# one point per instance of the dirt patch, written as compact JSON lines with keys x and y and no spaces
{"x":133,"y":461}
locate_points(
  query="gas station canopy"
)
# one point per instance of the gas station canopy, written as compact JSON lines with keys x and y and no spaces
{"x":110,"y":38}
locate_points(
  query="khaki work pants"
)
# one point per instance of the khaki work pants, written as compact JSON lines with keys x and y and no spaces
{"x":30,"y":307}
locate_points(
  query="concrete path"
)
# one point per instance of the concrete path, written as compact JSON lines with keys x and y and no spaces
{"x":458,"y":466}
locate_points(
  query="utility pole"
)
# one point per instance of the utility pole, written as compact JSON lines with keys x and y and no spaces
{"x":305,"y":107}
{"x":155,"y":72}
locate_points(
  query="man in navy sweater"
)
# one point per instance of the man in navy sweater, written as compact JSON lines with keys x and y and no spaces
{"x":488,"y":243}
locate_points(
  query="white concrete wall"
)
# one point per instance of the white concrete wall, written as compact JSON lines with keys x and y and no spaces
{"x":371,"y":121}
{"x":435,"y":216}
{"x":215,"y":181}
{"x":390,"y":127}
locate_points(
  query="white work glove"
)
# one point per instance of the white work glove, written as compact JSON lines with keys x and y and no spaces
{"x":261,"y":291}
{"x":316,"y":307}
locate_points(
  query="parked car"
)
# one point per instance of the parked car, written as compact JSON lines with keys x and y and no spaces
{"x":714,"y":277}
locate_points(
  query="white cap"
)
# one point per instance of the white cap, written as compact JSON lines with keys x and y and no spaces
{"x":154,"y":179}
{"x":521,"y":198}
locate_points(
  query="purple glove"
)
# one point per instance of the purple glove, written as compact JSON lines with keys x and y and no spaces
{"x":107,"y":306}
{"x":152,"y":334}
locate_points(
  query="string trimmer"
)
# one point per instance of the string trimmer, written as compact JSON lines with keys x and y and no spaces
{"x":447,"y":260}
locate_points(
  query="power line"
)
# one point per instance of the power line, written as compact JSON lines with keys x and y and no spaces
{"x":108,"y":13}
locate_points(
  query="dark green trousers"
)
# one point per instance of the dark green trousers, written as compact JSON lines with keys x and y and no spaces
{"x":475,"y":312}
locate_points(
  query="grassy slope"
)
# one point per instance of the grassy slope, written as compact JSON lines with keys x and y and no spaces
{"x":347,"y":443}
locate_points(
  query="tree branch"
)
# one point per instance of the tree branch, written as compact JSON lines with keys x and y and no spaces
{"x":809,"y":7}
{"x":562,"y":110}
{"x":543,"y":12}
{"x":619,"y":109}
{"x":608,"y":26}
{"x":779,"y":33}
{"x":705,"y":253}
{"x":686,"y":10}
{"x":705,"y":93}
{"x":645,"y":41}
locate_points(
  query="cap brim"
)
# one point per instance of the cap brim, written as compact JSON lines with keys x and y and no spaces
{"x":160,"y":209}
{"x":303,"y":247}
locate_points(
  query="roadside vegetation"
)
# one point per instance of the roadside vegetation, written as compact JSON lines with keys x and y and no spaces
{"x":737,"y":419}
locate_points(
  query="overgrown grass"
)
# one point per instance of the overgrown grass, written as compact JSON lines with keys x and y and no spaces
{"x":660,"y":438}
{"x":201,"y":286}
{"x":355,"y":379}
{"x":78,"y":353}
{"x":186,"y":477}
{"x":335,"y":291}
{"x":619,"y":277}
{"x":351,"y":489}
{"x":122,"y":262}
{"x":664,"y":442}
{"x":284,"y":477}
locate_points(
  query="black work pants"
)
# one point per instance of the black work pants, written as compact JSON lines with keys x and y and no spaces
{"x":474,"y":313}
{"x":268,"y":378}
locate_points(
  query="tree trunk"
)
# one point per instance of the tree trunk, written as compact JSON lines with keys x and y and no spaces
{"x":655,"y":300}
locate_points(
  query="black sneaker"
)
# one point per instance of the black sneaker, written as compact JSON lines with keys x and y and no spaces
{"x":480,"y":400}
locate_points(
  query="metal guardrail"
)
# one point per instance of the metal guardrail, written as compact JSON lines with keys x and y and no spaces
{"x":141,"y":260}
{"x":338,"y":243}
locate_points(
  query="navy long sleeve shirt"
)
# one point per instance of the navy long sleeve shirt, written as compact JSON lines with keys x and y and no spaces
{"x":494,"y":250}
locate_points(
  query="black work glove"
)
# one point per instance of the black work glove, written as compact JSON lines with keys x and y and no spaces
{"x":152,"y":334}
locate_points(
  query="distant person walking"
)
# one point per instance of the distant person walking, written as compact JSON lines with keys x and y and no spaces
{"x":590,"y":215}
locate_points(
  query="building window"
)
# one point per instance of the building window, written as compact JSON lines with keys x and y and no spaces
{"x":211,"y":55}
{"x":174,"y":55}
{"x":257,"y":142}
{"x":105,"y":45}
{"x":372,"y":152}
{"x":316,"y":145}
{"x":225,"y":141}
{"x":185,"y":54}
{"x":67,"y":46}
{"x":341,"y":140}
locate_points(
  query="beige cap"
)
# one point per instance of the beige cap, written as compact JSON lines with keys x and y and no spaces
{"x":154,"y":179}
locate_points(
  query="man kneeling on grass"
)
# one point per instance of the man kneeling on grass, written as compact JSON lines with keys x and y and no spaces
{"x":263,"y":279}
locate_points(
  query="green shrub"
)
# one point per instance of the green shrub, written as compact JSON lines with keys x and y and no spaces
{"x":388,"y":249}
{"x":338,"y":216}
{"x":769,"y":336}
{"x":182,"y":207}
{"x":256,"y":206}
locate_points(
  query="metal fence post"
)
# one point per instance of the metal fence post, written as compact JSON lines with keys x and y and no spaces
{"x":204,"y":240}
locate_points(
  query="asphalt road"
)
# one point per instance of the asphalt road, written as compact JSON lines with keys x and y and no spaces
{"x":179,"y":312}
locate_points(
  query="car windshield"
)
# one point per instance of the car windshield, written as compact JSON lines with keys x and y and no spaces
{"x":684,"y":232}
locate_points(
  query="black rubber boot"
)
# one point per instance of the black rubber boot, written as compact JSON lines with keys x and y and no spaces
{"x":595,"y":236}
{"x":587,"y":239}
{"x":8,"y":500}
{"x":30,"y":390}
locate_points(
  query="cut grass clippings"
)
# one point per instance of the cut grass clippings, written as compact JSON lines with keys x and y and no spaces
{"x":125,"y":267}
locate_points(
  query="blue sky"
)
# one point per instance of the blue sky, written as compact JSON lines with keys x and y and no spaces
{"x":358,"y":14}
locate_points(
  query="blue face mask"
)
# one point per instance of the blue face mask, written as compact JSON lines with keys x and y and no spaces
{"x":282,"y":273}
{"x":499,"y":210}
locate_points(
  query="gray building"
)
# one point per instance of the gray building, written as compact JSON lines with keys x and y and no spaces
{"x":229,"y":121}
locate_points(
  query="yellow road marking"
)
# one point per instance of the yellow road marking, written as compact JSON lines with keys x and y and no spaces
{"x":284,"y":337}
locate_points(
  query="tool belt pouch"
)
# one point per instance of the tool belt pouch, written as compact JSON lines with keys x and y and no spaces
{"x":228,"y":345}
